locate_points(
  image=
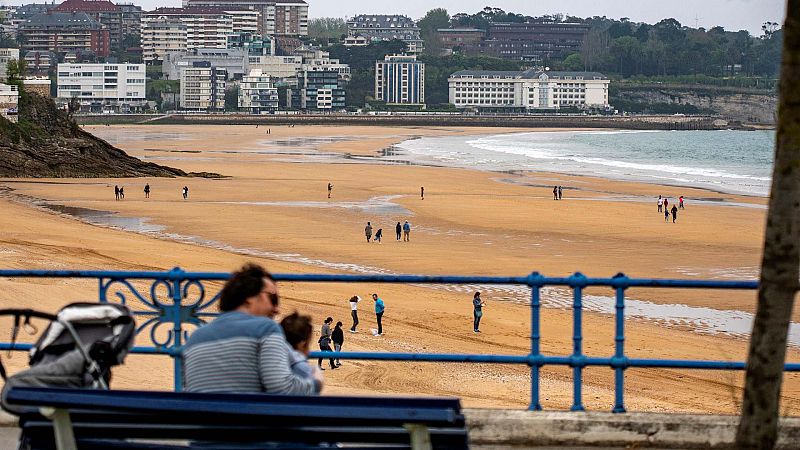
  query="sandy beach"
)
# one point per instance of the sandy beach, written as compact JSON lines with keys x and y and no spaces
{"x":272,"y":207}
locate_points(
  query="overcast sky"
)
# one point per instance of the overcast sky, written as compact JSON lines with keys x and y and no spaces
{"x":734,"y":15}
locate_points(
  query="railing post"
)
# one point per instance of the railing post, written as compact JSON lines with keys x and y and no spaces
{"x":577,"y":283}
{"x":534,"y":282}
{"x":177,"y":326}
{"x":619,"y":346}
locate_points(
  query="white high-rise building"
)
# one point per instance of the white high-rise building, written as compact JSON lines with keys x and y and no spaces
{"x":257,"y":94}
{"x":528,"y":90}
{"x":103,"y":87}
{"x":6,"y":55}
{"x":400,"y":79}
{"x":162,"y":35}
{"x":205,"y":27}
{"x":203,"y":87}
{"x":276,"y":66}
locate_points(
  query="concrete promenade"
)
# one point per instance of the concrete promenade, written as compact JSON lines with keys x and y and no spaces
{"x":514,"y":429}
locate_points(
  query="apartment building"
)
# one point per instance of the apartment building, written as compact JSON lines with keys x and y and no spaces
{"x":131,"y":18}
{"x":40,"y":61}
{"x":532,"y":41}
{"x":400,"y":80}
{"x":381,"y":27}
{"x":316,"y":59}
{"x":528,"y":90}
{"x":205,"y":27}
{"x":318,"y":90}
{"x":276,"y":66}
{"x":103,"y":87}
{"x":62,"y":32}
{"x":103,"y":11}
{"x":6,"y":55}
{"x":257,"y":94}
{"x":234,"y":61}
{"x":9,"y":99}
{"x":203,"y":87}
{"x":162,"y":36}
{"x":277,"y":17}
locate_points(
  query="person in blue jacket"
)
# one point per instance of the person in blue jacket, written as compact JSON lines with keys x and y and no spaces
{"x":379,"y":308}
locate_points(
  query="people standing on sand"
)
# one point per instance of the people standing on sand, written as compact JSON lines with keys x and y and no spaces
{"x":406,"y":231}
{"x":116,"y":192}
{"x":146,"y":191}
{"x":680,"y":202}
{"x":368,"y":231}
{"x":185,"y":191}
{"x":666,"y":203}
{"x":560,"y":192}
{"x":379,"y":235}
{"x":666,"y":214}
{"x":477,"y":305}
{"x":379,"y":309}
{"x":354,"y":311}
{"x":555,"y":192}
{"x":325,"y":342}
{"x":660,"y":203}
{"x":422,"y":192}
{"x":330,"y":188}
{"x":674,"y":213}
{"x":122,"y":192}
{"x":398,"y":229}
{"x":338,"y":340}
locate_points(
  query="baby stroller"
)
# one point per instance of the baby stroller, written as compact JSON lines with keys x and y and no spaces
{"x":77,"y":350}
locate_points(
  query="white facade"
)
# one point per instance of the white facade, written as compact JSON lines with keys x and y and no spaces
{"x":400,"y":80}
{"x":103,"y":87}
{"x":203,"y":31}
{"x":203,"y":88}
{"x":276,"y":66}
{"x":528,"y":90}
{"x":257,"y":94}
{"x":315,"y":59}
{"x":6,"y":55}
{"x":9,"y":99}
{"x":161,"y":36}
{"x":245,"y":21}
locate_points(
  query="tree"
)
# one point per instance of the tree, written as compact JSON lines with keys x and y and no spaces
{"x":232,"y":98}
{"x":15,"y":70}
{"x":327,"y":28}
{"x":780,"y":262}
{"x":573,"y":62}
{"x":433,"y":20}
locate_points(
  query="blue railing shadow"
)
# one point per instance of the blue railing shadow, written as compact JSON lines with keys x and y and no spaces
{"x":179,"y":307}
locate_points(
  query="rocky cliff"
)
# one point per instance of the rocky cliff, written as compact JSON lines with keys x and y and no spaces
{"x":742,"y":105}
{"x":46,"y":143}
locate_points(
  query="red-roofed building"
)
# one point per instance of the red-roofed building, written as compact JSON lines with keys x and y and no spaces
{"x":102,"y":11}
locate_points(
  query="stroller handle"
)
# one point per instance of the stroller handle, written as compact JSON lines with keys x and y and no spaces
{"x":28,"y":313}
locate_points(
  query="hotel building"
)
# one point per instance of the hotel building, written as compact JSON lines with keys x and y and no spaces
{"x":400,"y":80}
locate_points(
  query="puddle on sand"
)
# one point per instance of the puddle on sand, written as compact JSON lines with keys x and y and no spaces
{"x":699,"y":319}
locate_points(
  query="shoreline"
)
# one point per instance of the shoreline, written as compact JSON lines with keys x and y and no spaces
{"x":469,"y":223}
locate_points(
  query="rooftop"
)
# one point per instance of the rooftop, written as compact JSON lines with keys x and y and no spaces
{"x":88,"y":6}
{"x":62,"y":19}
{"x":529,"y":74}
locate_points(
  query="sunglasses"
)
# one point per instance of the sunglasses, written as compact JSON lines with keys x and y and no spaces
{"x":273,"y":297}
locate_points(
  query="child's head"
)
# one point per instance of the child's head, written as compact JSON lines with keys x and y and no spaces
{"x":338,"y":324}
{"x":298,"y":330}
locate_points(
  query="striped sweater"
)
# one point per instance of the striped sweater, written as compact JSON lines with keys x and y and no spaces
{"x":242,"y":353}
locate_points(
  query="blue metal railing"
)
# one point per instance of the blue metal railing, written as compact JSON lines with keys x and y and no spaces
{"x":186,"y":303}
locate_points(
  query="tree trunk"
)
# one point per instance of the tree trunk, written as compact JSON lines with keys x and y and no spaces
{"x":780,"y":263}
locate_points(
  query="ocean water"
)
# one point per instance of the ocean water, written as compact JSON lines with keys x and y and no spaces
{"x":738,"y":162}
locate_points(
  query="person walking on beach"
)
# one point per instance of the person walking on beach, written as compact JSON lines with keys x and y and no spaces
{"x":666,"y":214}
{"x":660,"y":203}
{"x":379,"y":235}
{"x":560,"y":192}
{"x":477,"y":305}
{"x":422,"y":192}
{"x":666,"y":203}
{"x":185,"y":192}
{"x":398,"y":229}
{"x":325,"y":342}
{"x":116,"y":192}
{"x":330,"y":188}
{"x":680,"y":202}
{"x":122,"y":192}
{"x":406,"y":231}
{"x":338,"y":340}
{"x":146,"y":191}
{"x":379,"y":309}
{"x":368,"y":231}
{"x":555,"y":192}
{"x":354,"y":311}
{"x":674,"y":213}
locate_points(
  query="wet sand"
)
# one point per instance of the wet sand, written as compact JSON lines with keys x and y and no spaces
{"x":273,"y":208}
